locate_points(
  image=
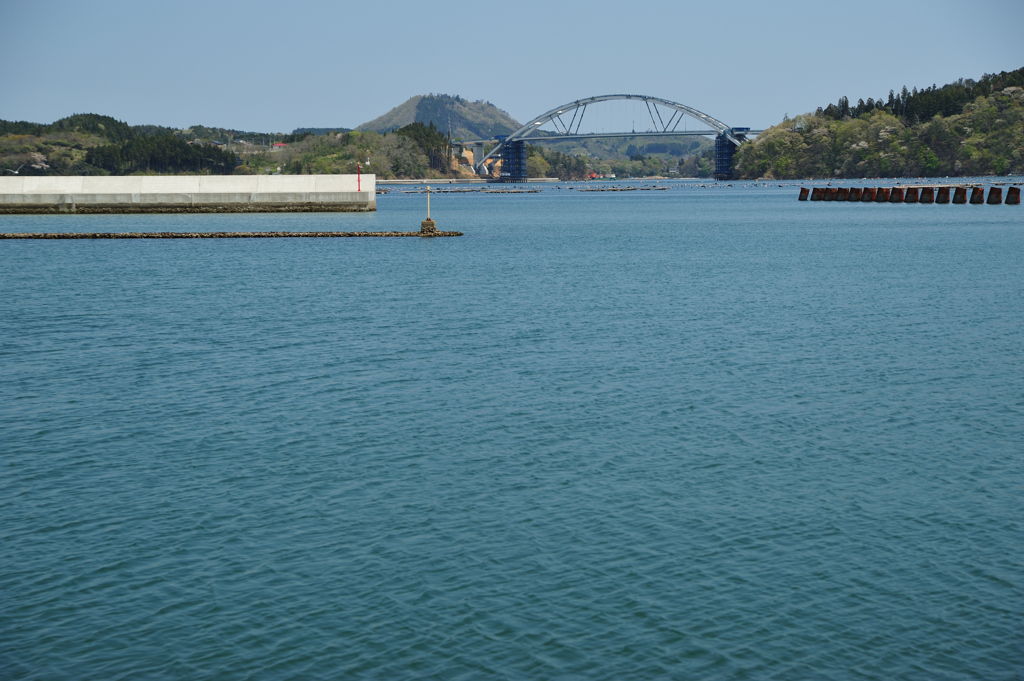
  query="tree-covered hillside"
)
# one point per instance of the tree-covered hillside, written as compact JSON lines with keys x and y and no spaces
{"x":605,"y":153}
{"x":414,"y":151}
{"x":161,"y":154}
{"x":964,"y":128}
{"x":94,"y":125}
{"x":91,"y":144}
{"x":58,"y":148}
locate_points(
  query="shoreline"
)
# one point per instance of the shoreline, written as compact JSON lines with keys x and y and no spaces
{"x":470,"y":180}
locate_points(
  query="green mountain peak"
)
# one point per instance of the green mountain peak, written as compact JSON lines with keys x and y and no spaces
{"x":465,"y":119}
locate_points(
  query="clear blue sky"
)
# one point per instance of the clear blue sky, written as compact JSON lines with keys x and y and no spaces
{"x":275,"y":66}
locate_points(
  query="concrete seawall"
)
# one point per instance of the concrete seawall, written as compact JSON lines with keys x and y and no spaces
{"x":188,"y":194}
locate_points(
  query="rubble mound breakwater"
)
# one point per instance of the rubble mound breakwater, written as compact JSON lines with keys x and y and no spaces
{"x":211,"y":235}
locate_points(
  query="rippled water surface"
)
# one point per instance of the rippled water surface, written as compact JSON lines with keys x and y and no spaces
{"x":713,"y":434}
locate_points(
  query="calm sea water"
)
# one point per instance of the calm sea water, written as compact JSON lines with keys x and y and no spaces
{"x":693,"y":434}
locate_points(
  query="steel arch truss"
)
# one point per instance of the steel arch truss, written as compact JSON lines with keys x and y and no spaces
{"x":578,"y":109}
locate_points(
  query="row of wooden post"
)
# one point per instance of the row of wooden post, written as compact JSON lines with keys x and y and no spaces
{"x":912,"y":195}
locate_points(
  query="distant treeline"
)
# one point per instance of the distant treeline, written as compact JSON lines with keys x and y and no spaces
{"x":542,"y":162}
{"x":161,"y":154}
{"x":435,"y":144}
{"x":921,"y":105}
{"x":319,"y":131}
{"x":119,"y":131}
{"x":678,"y":149}
{"x":101,"y":126}
{"x":109,"y":146}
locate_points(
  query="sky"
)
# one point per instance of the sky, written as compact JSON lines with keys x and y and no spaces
{"x":275,"y":66}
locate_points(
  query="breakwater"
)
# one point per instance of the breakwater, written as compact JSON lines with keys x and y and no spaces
{"x":188,"y":194}
{"x":914,"y":194}
{"x":215,"y":235}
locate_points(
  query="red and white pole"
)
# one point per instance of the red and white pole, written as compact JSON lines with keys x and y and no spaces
{"x":359,"y":178}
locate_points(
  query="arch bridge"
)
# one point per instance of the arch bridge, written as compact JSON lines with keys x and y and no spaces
{"x":665,"y":115}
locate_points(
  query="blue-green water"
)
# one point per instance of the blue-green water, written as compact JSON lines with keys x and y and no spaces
{"x":713,"y":434}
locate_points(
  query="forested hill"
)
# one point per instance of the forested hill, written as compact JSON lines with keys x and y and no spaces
{"x":465,"y":119}
{"x":963,"y":128}
{"x":91,"y":144}
{"x":103,"y":127}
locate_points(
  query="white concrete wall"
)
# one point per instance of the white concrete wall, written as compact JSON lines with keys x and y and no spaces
{"x":164,"y":190}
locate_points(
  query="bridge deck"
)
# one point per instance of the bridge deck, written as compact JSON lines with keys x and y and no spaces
{"x":599,"y":135}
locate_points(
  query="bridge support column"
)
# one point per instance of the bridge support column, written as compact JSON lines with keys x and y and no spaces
{"x":724,"y":149}
{"x":513,"y":161}
{"x":478,"y":153}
